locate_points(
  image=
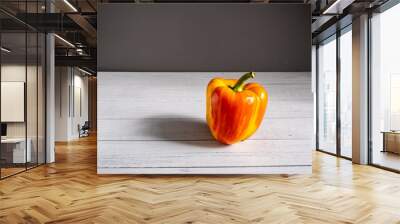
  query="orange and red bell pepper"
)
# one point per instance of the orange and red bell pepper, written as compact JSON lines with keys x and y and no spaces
{"x":234,"y":109}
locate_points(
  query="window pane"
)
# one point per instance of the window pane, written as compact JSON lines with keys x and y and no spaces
{"x":346,"y":93}
{"x":327,"y":96}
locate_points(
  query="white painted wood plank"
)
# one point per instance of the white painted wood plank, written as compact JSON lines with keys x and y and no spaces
{"x":159,"y":154}
{"x":174,"y":127}
{"x":181,"y":92}
{"x":132,"y":95}
{"x":190,"y":88}
{"x":118,"y":110}
{"x":215,"y":170}
{"x":154,"y":123}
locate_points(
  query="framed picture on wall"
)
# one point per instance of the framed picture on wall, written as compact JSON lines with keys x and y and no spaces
{"x":12,"y":101}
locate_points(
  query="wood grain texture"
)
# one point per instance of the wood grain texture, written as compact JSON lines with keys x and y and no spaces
{"x":205,"y":154}
{"x":156,"y":121}
{"x":185,"y":128}
{"x":70,"y":191}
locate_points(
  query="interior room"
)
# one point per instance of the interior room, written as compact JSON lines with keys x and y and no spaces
{"x":206,"y":111}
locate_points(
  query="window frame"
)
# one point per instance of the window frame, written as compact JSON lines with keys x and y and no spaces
{"x":333,"y":37}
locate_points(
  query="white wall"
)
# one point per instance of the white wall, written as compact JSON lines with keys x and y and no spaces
{"x":62,"y":82}
{"x":70,"y":83}
{"x":80,"y":108}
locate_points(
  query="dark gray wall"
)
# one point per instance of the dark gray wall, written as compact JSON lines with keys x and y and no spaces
{"x":204,"y":37}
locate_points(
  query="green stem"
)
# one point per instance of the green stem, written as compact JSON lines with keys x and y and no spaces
{"x":238,"y":87}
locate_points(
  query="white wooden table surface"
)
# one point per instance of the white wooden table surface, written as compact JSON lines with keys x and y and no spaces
{"x":154,"y":123}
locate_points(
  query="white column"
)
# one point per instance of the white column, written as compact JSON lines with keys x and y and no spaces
{"x":50,"y":100}
{"x":50,"y":92}
{"x":360,"y":90}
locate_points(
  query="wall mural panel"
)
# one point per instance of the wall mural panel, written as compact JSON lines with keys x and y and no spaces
{"x":156,"y":123}
{"x":154,"y":64}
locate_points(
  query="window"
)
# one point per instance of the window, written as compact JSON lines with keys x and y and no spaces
{"x":346,"y":73}
{"x":327,"y":95}
{"x":385,"y":89}
{"x":334,"y":60}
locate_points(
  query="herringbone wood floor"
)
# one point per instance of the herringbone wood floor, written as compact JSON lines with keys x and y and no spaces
{"x":70,"y":191}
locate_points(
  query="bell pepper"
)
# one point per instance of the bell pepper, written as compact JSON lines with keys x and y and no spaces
{"x":234,"y":109}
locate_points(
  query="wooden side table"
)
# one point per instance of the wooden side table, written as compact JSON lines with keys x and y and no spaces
{"x":391,"y":141}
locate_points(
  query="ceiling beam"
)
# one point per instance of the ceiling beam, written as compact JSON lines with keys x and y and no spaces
{"x":84,"y":24}
{"x":82,"y":61}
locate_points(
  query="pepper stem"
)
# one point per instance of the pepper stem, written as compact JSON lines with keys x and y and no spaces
{"x":238,"y":87}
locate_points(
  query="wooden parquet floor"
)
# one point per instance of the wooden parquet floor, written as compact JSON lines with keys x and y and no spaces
{"x":70,"y":191}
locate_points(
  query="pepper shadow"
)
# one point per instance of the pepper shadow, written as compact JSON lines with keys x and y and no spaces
{"x":185,"y":130}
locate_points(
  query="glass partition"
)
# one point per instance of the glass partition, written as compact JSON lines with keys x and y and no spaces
{"x":22,"y":91}
{"x":14,"y":153}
